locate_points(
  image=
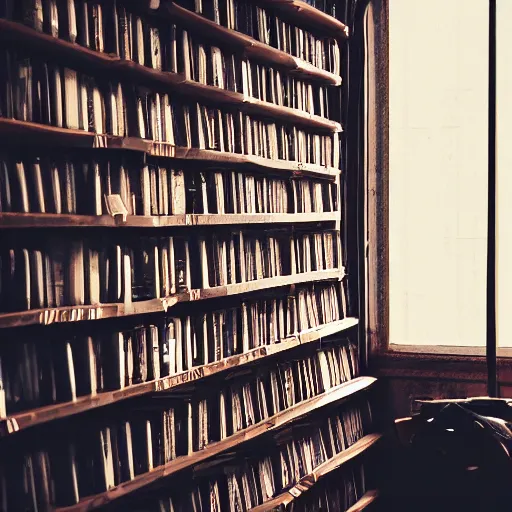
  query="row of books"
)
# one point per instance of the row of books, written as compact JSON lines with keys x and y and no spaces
{"x":235,"y":192}
{"x":223,"y":258}
{"x":82,"y":272}
{"x":335,"y":494}
{"x":172,"y":49}
{"x":32,"y":90}
{"x":268,"y":84}
{"x":56,"y":273}
{"x":271,"y":470}
{"x":116,"y":447}
{"x":315,"y":251}
{"x":265,"y":26}
{"x":95,"y":187}
{"x":213,"y":66}
{"x":112,"y":28}
{"x":248,"y":401}
{"x":35,"y":373}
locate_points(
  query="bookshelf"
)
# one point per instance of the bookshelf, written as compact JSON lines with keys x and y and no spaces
{"x":273,"y":423}
{"x":172,"y":205}
{"x":307,"y":482}
{"x":17,"y":422}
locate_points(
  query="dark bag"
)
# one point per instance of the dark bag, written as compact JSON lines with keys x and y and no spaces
{"x":459,"y":457}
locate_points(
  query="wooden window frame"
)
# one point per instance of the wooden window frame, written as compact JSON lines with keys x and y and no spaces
{"x":401,"y":361}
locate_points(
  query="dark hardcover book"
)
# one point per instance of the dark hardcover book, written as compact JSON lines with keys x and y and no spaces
{"x":85,"y":364}
{"x":193,"y":192}
{"x":145,"y":270}
{"x":141,"y":442}
{"x":63,"y":370}
{"x":182,"y":261}
{"x":41,"y":108}
{"x":6,"y":82}
{"x":113,"y":359}
{"x":82,"y":23}
{"x":153,"y":352}
{"x":67,"y":20}
{"x":110,"y":27}
{"x":157,"y":437}
{"x":63,"y":462}
{"x":167,"y":349}
{"x":140,"y":356}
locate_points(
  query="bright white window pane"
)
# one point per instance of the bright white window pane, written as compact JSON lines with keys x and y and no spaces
{"x":504,"y":169}
{"x":438,"y":171}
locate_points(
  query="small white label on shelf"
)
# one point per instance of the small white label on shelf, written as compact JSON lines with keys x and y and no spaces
{"x":116,"y":206}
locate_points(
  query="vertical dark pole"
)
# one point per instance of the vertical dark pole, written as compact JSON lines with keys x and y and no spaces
{"x":492,"y":380}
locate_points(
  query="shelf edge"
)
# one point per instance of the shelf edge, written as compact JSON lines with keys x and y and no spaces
{"x":47,"y":316}
{"x":17,"y":32}
{"x":10,"y":220}
{"x":65,"y":137}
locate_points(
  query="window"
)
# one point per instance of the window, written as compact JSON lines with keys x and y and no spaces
{"x":438,"y":104}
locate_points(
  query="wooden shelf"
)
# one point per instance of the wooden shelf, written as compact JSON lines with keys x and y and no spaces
{"x":33,"y":417}
{"x":364,"y":502}
{"x":47,"y":316}
{"x":305,"y":14}
{"x":290,"y":415}
{"x":17,"y":132}
{"x":308,"y":481}
{"x":52,"y":220}
{"x":251,"y":47}
{"x":74,"y":54}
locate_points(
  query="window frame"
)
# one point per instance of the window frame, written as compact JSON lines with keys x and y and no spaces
{"x":385,"y":359}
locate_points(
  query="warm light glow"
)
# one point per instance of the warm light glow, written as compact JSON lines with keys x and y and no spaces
{"x":438,"y":171}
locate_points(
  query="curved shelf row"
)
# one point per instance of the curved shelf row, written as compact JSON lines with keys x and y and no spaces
{"x":76,"y":55}
{"x":273,"y":423}
{"x":26,"y":419}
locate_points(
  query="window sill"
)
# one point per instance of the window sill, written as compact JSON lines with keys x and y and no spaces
{"x":439,"y":363}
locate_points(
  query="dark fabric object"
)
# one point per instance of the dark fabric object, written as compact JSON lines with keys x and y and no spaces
{"x":458,"y":459}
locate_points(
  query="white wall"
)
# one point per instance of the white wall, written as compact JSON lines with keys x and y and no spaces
{"x":438,"y":171}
